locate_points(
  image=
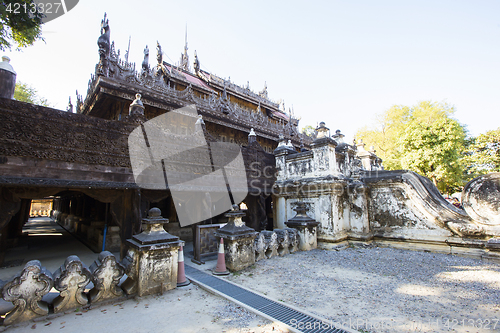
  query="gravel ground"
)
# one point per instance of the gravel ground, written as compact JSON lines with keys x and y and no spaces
{"x":375,"y":289}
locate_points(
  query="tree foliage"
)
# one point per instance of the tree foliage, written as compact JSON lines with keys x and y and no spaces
{"x":22,"y":27}
{"x":423,"y":138}
{"x":482,"y":154}
{"x":309,"y":131}
{"x":28,"y":94}
{"x":432,"y":148}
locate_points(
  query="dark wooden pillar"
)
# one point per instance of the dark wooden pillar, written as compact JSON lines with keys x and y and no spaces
{"x":8,"y":208}
{"x":256,"y":213}
{"x":126,"y":210}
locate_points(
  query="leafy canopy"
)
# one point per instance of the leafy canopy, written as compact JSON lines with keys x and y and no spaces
{"x":482,"y":154}
{"x":423,"y":138}
{"x":22,"y":27}
{"x":28,"y":94}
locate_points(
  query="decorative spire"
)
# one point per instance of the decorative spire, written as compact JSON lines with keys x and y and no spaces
{"x":128,"y":50}
{"x":184,"y":63}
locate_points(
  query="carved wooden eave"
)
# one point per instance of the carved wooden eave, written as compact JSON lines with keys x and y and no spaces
{"x":98,"y":102}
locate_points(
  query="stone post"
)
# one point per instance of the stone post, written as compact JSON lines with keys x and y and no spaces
{"x":152,"y":258}
{"x":7,"y":79}
{"x":306,"y":228}
{"x":324,"y":155}
{"x":239,"y":241}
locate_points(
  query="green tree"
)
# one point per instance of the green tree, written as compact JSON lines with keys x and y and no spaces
{"x":482,"y":154}
{"x":28,"y":94}
{"x":383,"y":137}
{"x":19,"y":25}
{"x":309,"y":131}
{"x":424,"y":118}
{"x":432,"y":148}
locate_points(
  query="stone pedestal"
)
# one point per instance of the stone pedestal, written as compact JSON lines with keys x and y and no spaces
{"x":152,"y":258}
{"x":306,"y":228}
{"x":239,"y":241}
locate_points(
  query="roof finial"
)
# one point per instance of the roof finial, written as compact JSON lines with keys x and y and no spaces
{"x":184,"y":63}
{"x":196,"y":63}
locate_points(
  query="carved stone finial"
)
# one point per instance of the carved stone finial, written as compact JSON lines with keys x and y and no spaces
{"x":154,"y":213}
{"x":339,"y":137}
{"x":71,"y":279}
{"x":26,"y":290}
{"x":106,"y":274}
{"x":271,"y":239}
{"x":322,"y":131}
{"x":136,"y":108}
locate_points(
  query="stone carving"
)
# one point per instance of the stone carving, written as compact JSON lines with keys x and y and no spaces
{"x":152,"y":258}
{"x":283,"y":241}
{"x":272,"y":243}
{"x":239,"y":241}
{"x":71,"y":279}
{"x":466,"y":229}
{"x":26,"y":290}
{"x":306,"y":227}
{"x":481,"y":199}
{"x":260,"y":247}
{"x":294,"y":239}
{"x":106,"y":274}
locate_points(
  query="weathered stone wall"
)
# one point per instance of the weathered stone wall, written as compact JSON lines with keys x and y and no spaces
{"x":353,"y":199}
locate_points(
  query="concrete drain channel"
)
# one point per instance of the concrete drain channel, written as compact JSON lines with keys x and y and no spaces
{"x":294,"y":320}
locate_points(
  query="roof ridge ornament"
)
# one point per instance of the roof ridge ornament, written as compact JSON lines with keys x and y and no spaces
{"x":196,"y":63}
{"x":184,"y":62}
{"x":104,"y":44}
{"x":145,"y":62}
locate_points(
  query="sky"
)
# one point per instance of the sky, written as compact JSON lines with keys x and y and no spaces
{"x":341,"y":62}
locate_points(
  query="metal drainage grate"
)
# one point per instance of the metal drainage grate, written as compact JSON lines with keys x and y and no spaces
{"x":269,"y":307}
